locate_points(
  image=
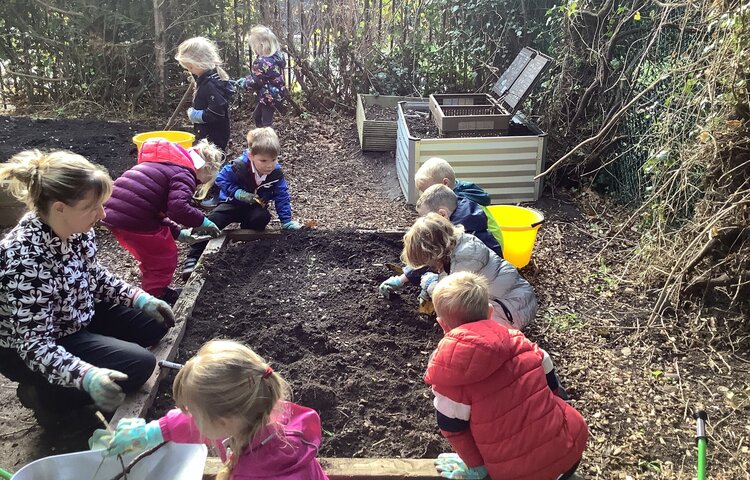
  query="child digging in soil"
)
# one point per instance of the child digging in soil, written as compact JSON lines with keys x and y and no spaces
{"x":435,"y":243}
{"x":441,"y":199}
{"x":227,"y":391}
{"x":437,"y":171}
{"x":495,"y":394}
{"x":247,"y":185}
{"x":152,"y":199}
{"x":266,"y":75}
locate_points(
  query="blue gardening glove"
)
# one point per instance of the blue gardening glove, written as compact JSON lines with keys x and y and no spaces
{"x":131,"y":435}
{"x":100,"y":384}
{"x":195,"y":116}
{"x":207,"y":228}
{"x":390,"y":286}
{"x":155,"y":308}
{"x":450,"y":465}
{"x":187,"y":236}
{"x":428,"y":284}
{"x":240,"y":82}
{"x":291,"y":225}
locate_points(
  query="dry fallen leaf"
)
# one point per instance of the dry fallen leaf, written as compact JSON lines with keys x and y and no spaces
{"x":310,"y":223}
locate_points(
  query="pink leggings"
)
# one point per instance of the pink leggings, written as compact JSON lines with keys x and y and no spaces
{"x":156,"y":253}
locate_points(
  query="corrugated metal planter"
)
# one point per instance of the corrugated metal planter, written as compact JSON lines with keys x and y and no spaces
{"x":376,"y":135}
{"x":11,"y":210}
{"x":505,"y":166}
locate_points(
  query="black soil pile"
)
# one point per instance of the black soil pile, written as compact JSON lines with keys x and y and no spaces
{"x":308,"y":302}
{"x":107,"y":143}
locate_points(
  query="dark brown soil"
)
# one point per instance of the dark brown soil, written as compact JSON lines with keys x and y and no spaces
{"x":308,"y":302}
{"x":106,"y":143}
{"x":379,"y":112}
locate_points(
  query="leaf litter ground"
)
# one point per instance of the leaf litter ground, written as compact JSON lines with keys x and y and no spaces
{"x":633,"y":380}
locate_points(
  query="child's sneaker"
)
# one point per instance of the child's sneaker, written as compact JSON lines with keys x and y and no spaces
{"x":188,"y":267}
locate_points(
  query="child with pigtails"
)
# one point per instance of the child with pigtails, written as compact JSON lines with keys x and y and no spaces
{"x":228,"y":393}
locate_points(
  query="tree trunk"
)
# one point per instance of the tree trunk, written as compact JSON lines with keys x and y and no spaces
{"x":160,"y":49}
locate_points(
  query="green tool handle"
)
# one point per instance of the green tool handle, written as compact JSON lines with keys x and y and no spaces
{"x":5,"y":474}
{"x":702,"y":458}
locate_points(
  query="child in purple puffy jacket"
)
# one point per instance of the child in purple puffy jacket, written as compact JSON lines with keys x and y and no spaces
{"x":228,"y":393}
{"x":266,"y":76}
{"x":151,"y":201}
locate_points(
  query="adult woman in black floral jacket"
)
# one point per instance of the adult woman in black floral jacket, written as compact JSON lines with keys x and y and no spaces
{"x":70,"y":331}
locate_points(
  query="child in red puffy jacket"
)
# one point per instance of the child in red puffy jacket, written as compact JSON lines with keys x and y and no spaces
{"x":495,"y":394}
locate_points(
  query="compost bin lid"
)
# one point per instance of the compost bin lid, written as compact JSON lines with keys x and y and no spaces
{"x":516,"y":82}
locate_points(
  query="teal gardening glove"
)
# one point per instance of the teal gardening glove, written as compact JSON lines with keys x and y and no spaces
{"x":390,"y":286}
{"x":207,"y":228}
{"x":291,"y":225}
{"x":131,"y":435}
{"x":155,"y":308}
{"x":450,"y":465}
{"x":100,"y":384}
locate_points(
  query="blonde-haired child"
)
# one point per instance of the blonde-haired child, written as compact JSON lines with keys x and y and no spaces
{"x":213,"y":92}
{"x":436,"y":170}
{"x":246,"y":186}
{"x":266,"y":75}
{"x":442,"y":200}
{"x":150,"y":201}
{"x":496,"y":394}
{"x":436,"y":243}
{"x":227,"y":391}
{"x":70,"y":331}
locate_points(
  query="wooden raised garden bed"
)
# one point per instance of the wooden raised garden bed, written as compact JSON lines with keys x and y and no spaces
{"x":472,"y":114}
{"x":378,"y":132}
{"x":504,"y":166}
{"x":308,"y":303}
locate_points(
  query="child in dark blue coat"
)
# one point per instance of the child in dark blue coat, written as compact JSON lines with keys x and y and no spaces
{"x":246,"y":186}
{"x":460,"y":211}
{"x":213,"y":91}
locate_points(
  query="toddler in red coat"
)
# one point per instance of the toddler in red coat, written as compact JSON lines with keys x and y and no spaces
{"x":495,"y":394}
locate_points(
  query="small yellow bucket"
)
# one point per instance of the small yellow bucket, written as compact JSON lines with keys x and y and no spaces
{"x":185,"y":139}
{"x":519,"y":226}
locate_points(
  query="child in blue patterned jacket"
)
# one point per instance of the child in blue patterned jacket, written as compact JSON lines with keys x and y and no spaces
{"x":246,"y":186}
{"x":266,"y":75}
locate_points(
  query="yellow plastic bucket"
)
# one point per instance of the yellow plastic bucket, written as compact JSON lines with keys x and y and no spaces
{"x":518,"y":226}
{"x":185,"y":139}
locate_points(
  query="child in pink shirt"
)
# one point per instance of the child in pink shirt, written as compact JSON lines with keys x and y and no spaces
{"x":229,"y":392}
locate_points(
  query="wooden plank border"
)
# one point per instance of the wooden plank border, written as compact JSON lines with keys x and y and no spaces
{"x":137,"y":403}
{"x":359,"y":468}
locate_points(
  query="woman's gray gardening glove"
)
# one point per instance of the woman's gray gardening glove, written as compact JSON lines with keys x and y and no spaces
{"x":155,"y":308}
{"x":100,"y":384}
